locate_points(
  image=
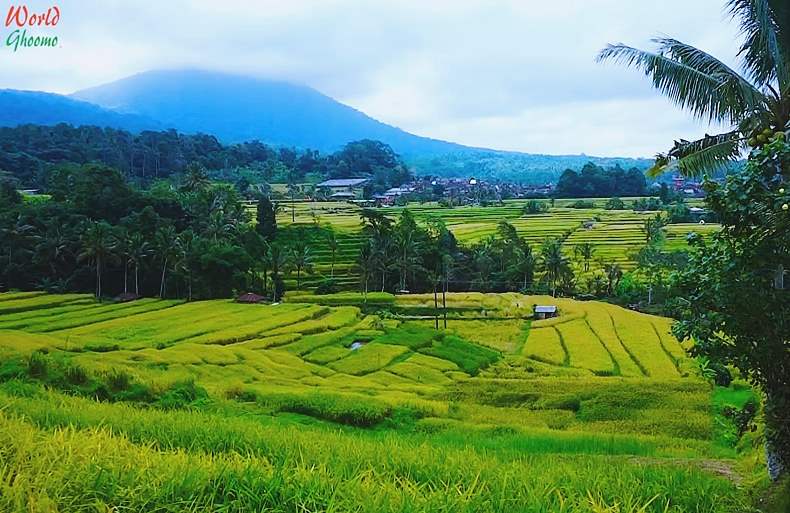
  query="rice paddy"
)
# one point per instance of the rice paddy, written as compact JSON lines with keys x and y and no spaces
{"x":616,"y":235}
{"x":323,"y":405}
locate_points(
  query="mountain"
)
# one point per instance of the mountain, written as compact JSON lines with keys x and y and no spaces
{"x":37,"y":108}
{"x":238,"y":108}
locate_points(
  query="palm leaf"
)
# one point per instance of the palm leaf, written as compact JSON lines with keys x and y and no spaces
{"x":711,"y":153}
{"x":692,"y":80}
{"x":735,"y":88}
{"x":766,"y":29}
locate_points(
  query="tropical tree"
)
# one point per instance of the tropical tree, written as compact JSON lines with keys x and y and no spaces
{"x":736,"y":308}
{"x":266,"y":216}
{"x":278,"y":259}
{"x":195,"y":178}
{"x":614,"y":273}
{"x":585,"y":251}
{"x":53,"y":246}
{"x":754,"y":103}
{"x":139,"y":249}
{"x":301,"y":260}
{"x":524,"y":265}
{"x":218,"y":226}
{"x":407,"y":248}
{"x":98,"y":243}
{"x":18,"y":236}
{"x":166,"y":248}
{"x":553,"y":262}
{"x":653,"y":229}
{"x":333,"y":245}
{"x":366,"y":264}
{"x":187,"y":253}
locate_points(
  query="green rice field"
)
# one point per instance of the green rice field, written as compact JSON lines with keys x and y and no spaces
{"x":321,"y":404}
{"x":615,"y":234}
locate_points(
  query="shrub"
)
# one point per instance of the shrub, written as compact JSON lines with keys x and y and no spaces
{"x":37,"y":365}
{"x":535,"y":207}
{"x":182,"y":394}
{"x":582,"y":204}
{"x":352,"y":410}
{"x":328,"y":286}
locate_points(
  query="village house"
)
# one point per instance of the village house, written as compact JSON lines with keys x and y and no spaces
{"x":545,"y":311}
{"x":344,"y":188}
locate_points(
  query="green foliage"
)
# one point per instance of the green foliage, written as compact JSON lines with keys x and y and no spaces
{"x":593,"y":181}
{"x":471,"y":358}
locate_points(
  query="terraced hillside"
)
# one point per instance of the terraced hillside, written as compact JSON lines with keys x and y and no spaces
{"x":615,"y":234}
{"x":165,"y":405}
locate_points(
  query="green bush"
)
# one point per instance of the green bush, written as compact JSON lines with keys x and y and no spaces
{"x":352,"y":410}
{"x":182,"y":394}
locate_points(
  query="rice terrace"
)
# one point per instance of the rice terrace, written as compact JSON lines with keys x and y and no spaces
{"x":234,"y":278}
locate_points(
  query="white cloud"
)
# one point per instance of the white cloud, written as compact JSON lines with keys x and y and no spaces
{"x":516,"y":75}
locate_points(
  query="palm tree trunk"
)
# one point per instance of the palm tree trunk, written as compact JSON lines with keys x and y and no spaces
{"x":332,"y":270}
{"x":435,"y":308}
{"x":162,"y":283}
{"x":136,"y":279}
{"x":98,"y":278}
{"x":444,"y":301}
{"x":126,"y":276}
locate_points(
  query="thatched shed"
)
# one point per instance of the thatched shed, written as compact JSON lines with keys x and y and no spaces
{"x":250,"y":298}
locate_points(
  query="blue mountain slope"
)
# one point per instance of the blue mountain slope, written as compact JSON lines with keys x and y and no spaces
{"x":37,"y":108}
{"x":237,"y":108}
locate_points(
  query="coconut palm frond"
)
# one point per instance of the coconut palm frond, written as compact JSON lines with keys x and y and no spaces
{"x":741,"y":95}
{"x":711,"y":153}
{"x":766,"y":47}
{"x":706,"y":95}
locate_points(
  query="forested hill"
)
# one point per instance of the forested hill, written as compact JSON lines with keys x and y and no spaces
{"x":514,"y":167}
{"x":34,"y":107}
{"x":28,"y":152}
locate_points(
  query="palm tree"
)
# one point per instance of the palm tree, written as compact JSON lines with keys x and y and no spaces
{"x":98,"y":243}
{"x":613,"y":275}
{"x":166,"y":247}
{"x":754,"y":103}
{"x":52,"y":247}
{"x":187,"y":252}
{"x":218,"y":226}
{"x":302,"y":261}
{"x":138,"y":250}
{"x":195,"y":178}
{"x":653,"y":229}
{"x":332,"y":244}
{"x":278,"y":259}
{"x":586,"y":252}
{"x":524,"y":264}
{"x":18,"y":236}
{"x":554,"y":263}
{"x":366,"y":263}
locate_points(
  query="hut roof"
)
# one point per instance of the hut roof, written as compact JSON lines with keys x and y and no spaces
{"x":249,"y":297}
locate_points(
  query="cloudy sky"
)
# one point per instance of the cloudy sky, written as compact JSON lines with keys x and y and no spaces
{"x":514,"y":75}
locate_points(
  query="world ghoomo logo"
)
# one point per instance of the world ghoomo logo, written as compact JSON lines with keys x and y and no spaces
{"x":20,"y":19}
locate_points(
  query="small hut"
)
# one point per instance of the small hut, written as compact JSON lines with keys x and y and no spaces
{"x":250,"y":298}
{"x":125,"y":297}
{"x":545,"y":311}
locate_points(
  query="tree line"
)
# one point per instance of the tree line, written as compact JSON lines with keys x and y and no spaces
{"x":28,"y":154}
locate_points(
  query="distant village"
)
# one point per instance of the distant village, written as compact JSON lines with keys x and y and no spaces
{"x":455,"y":191}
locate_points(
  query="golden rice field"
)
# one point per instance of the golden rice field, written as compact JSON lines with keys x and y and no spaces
{"x":319,"y":404}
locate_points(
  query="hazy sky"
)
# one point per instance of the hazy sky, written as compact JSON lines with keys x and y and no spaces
{"x":515,"y":75}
